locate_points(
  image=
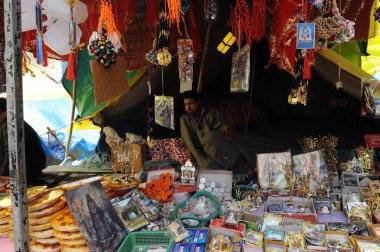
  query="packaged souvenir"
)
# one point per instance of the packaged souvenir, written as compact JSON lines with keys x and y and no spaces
{"x":220,"y":243}
{"x":240,"y":70}
{"x":199,"y":235}
{"x":197,"y":247}
{"x":359,"y":211}
{"x":294,"y":239}
{"x":271,"y":220}
{"x":274,"y":207}
{"x":338,"y":241}
{"x":254,"y":237}
{"x":150,"y":207}
{"x":274,"y":233}
{"x":178,"y":230}
{"x":180,"y":247}
{"x":352,"y":228}
{"x":313,"y":233}
{"x":231,"y":219}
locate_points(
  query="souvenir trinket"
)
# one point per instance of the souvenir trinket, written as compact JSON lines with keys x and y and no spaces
{"x":231,"y":219}
{"x":188,"y":173}
{"x":254,"y":237}
{"x":275,"y":207}
{"x":178,"y":230}
{"x":102,"y":48}
{"x":352,"y":228}
{"x":313,"y":233}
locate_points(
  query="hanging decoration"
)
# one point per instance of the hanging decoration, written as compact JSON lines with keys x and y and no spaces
{"x":40,"y":44}
{"x":71,"y":67}
{"x":107,"y":22}
{"x":185,"y":63}
{"x":316,"y":3}
{"x":210,"y":10}
{"x":164,"y":57}
{"x":241,"y":22}
{"x":164,"y":111}
{"x":102,"y":48}
{"x":302,"y":76}
{"x":240,"y":70}
{"x":226,"y":43}
{"x":258,"y":19}
{"x":151,"y":56}
{"x":331,"y":27}
{"x":152,"y":12}
{"x":174,"y":12}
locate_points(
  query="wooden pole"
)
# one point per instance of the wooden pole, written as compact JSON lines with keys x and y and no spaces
{"x":15,"y":123}
{"x":204,"y":55}
{"x":54,"y":135}
{"x":251,"y":91}
{"x":72,"y":118}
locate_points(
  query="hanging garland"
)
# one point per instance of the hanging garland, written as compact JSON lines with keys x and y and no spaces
{"x":174,"y":12}
{"x":241,"y":22}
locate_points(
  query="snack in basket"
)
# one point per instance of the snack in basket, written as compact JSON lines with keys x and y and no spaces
{"x":39,"y":247}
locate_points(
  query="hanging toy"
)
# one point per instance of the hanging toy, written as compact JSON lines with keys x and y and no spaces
{"x":40,"y":45}
{"x":164,"y":57}
{"x":102,"y":48}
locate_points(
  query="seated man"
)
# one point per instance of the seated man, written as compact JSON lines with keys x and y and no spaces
{"x":209,"y":139}
{"x":35,"y":158}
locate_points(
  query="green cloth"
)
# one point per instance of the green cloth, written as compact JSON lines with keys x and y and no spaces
{"x":208,"y":146}
{"x":85,"y":101}
{"x":350,"y":51}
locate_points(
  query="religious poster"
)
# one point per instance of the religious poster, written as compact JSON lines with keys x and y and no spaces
{"x":370,"y":98}
{"x":273,"y":168}
{"x":240,"y":70}
{"x":164,"y":111}
{"x":310,"y":164}
{"x":305,"y":36}
{"x":98,"y":221}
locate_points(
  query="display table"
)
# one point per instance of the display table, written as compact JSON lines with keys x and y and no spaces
{"x":6,"y":245}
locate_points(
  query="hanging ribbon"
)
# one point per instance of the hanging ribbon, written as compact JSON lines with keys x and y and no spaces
{"x":40,"y":45}
{"x":71,"y":68}
{"x":107,"y":21}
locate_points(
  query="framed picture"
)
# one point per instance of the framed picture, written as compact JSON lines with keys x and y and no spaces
{"x":305,"y":36}
{"x":272,"y":168}
{"x":98,"y":221}
{"x":309,"y":164}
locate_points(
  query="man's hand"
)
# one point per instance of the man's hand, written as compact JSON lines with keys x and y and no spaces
{"x":226,"y":132}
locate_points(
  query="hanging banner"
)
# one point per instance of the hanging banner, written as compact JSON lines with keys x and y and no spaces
{"x":240,"y":70}
{"x":185,"y":64}
{"x":164,"y":111}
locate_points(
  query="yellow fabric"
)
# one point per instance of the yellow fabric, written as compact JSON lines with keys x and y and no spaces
{"x":371,"y":63}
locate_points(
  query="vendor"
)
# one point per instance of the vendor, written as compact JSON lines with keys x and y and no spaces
{"x":34,"y":154}
{"x":209,"y":139}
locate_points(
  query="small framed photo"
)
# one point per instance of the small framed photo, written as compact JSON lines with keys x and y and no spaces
{"x":349,"y":180}
{"x":274,"y":207}
{"x":305,"y":36}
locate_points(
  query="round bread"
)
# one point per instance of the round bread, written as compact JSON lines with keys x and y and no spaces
{"x":40,"y":227}
{"x":4,"y":228}
{"x":74,"y":242}
{"x":79,"y":183}
{"x":68,"y":235}
{"x":42,"y":234}
{"x":66,"y":248}
{"x":48,"y":199}
{"x":4,"y":213}
{"x":38,"y":247}
{"x":46,"y":219}
{"x":48,"y":210}
{"x":35,"y":192}
{"x":6,"y":202}
{"x":3,"y":221}
{"x":47,"y":241}
{"x":64,"y":223}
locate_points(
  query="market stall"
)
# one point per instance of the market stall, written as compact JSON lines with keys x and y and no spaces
{"x":156,"y":192}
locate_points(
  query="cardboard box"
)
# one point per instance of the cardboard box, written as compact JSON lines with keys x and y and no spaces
{"x":341,"y":236}
{"x":216,"y":227}
{"x":128,"y":159}
{"x":361,"y":240}
{"x":375,"y":229}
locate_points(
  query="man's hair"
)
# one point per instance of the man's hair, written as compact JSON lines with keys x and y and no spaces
{"x":3,"y":104}
{"x":191,"y":94}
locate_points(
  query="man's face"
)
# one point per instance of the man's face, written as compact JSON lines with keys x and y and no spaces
{"x":191,"y":106}
{"x":3,"y":116}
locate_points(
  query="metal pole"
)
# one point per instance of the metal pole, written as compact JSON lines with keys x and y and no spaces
{"x":15,"y":123}
{"x":204,"y":55}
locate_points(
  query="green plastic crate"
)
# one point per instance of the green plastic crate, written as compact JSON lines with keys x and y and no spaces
{"x":144,"y":240}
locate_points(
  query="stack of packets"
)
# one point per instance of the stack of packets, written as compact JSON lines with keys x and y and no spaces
{"x":194,"y":242}
{"x":161,"y":189}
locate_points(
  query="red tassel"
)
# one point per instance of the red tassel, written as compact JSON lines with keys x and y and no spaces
{"x":306,"y":67}
{"x":71,"y":68}
{"x":258,"y":19}
{"x":152,"y":12}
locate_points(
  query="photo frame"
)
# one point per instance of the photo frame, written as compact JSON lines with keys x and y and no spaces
{"x":305,"y":35}
{"x":98,"y":221}
{"x":309,"y":164}
{"x":272,"y":169}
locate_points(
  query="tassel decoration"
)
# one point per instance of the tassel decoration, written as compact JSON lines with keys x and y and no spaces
{"x":71,"y":68}
{"x":241,"y":22}
{"x":107,"y":22}
{"x":174,"y":12}
{"x":258,"y":19}
{"x":152,"y":12}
